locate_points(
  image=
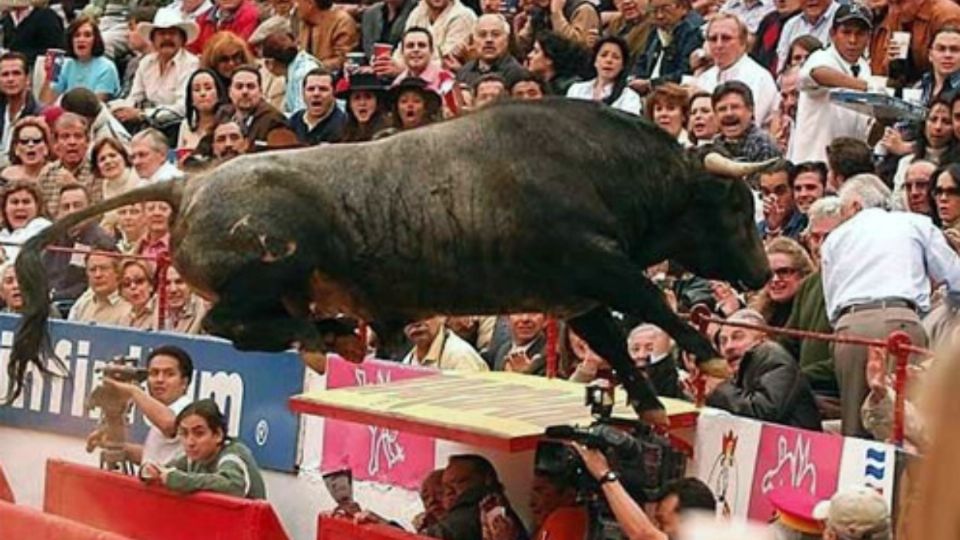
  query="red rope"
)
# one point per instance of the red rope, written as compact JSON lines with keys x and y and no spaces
{"x":897,"y":343}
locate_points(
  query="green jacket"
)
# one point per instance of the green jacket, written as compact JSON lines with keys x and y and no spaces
{"x":232,"y":471}
{"x":810,"y":313}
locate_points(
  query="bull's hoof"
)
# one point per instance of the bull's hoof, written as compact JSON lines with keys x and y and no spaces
{"x":715,"y":367}
{"x":656,"y":417}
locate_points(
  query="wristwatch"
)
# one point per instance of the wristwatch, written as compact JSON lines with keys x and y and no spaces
{"x":609,"y":476}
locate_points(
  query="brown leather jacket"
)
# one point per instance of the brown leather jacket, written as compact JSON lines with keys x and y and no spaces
{"x":930,"y":16}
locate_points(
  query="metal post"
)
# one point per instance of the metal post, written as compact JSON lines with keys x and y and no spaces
{"x":551,"y":347}
{"x":898,"y":344}
{"x":163,"y":263}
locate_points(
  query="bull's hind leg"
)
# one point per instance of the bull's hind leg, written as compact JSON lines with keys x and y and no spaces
{"x":598,"y":328}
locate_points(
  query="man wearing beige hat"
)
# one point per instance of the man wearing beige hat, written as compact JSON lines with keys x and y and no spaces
{"x":855,"y":513}
{"x":161,"y":78}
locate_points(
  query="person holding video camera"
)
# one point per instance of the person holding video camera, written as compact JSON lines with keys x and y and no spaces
{"x":169,"y":370}
{"x":679,"y":497}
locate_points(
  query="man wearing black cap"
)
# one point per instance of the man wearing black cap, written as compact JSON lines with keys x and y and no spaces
{"x":841,"y":65}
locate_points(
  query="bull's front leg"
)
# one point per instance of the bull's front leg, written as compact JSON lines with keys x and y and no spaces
{"x":646,"y":302}
{"x":598,"y":328}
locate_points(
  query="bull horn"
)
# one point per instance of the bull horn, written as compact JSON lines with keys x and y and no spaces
{"x":718,"y":164}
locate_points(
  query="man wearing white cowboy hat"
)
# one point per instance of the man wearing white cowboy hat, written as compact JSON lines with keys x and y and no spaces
{"x":161,"y":78}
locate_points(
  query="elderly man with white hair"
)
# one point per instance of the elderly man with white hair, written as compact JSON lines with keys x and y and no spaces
{"x":148,"y":152}
{"x":877,"y":270}
{"x":653,"y":351}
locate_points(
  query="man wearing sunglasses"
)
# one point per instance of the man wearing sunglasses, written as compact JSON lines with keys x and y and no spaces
{"x":878,"y":267}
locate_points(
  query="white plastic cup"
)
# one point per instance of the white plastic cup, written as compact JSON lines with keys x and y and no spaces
{"x":902,"y":41}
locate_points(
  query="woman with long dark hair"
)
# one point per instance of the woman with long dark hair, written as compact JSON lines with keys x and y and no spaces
{"x":366,"y":107}
{"x":559,"y":61}
{"x":611,"y":56}
{"x":205,"y":95}
{"x":945,"y":201}
{"x":935,"y":138}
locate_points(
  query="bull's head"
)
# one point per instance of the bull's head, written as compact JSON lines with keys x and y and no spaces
{"x":720,"y":236}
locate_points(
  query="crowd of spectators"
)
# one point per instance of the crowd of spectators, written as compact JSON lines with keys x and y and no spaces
{"x":860,"y":216}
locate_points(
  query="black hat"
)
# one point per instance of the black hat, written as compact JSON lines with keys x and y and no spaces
{"x":419,"y":85}
{"x":367,"y":82}
{"x":853,"y":12}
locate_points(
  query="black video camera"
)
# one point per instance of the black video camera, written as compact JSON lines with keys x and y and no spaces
{"x":646,"y":460}
{"x":124,"y":370}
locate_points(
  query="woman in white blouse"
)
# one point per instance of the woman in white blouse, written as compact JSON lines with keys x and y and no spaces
{"x":610,"y":60}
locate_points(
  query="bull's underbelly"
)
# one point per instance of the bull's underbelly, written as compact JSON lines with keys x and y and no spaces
{"x":370,"y":298}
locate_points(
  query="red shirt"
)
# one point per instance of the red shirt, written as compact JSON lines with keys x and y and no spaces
{"x":567,"y":523}
{"x":242,"y":23}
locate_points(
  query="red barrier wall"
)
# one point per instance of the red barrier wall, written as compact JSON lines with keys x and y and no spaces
{"x":21,"y":522}
{"x":6,"y":493}
{"x":124,"y":505}
{"x":331,"y":528}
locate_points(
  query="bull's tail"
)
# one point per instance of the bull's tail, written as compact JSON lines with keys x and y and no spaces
{"x":32,"y":341}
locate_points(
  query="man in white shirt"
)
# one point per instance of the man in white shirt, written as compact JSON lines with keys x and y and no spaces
{"x":148,"y":152}
{"x":816,"y":20}
{"x":161,"y":77}
{"x":169,"y":370}
{"x":841,"y":65}
{"x":436,"y":346}
{"x":449,"y":22}
{"x":877,"y":269}
{"x":751,"y":12}
{"x":727,"y":44}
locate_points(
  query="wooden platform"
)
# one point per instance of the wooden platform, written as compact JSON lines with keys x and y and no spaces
{"x":502,"y":411}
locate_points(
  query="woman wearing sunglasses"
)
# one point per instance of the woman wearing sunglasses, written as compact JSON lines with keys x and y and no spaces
{"x":945,"y":200}
{"x":29,"y":151}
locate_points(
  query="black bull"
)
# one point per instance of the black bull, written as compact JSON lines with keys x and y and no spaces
{"x":555,"y":207}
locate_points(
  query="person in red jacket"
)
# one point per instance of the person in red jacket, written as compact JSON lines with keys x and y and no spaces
{"x":238,"y":16}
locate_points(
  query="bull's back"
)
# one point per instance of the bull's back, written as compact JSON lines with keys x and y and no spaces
{"x":446,"y":207}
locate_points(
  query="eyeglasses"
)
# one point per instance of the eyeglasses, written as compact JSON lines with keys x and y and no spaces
{"x":948,"y":191}
{"x":29,"y":141}
{"x":719,"y":38}
{"x":235,"y":57}
{"x":922,"y":186}
{"x":785,"y":272}
{"x":131,"y":282}
{"x":944,"y":48}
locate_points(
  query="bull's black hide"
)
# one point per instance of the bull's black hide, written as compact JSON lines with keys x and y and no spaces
{"x":554,"y":207}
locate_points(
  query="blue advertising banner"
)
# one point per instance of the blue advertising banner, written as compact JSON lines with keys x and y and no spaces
{"x":251,"y":388}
